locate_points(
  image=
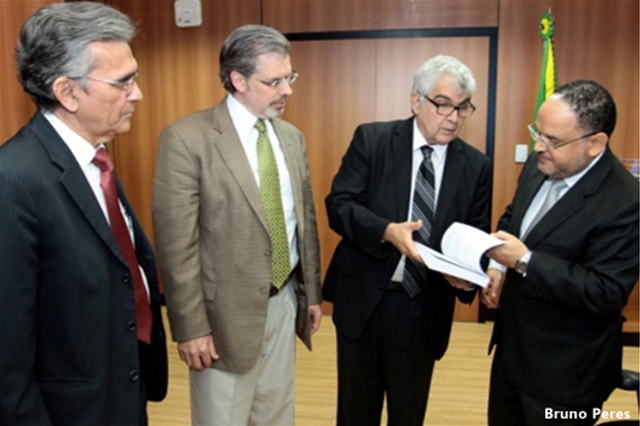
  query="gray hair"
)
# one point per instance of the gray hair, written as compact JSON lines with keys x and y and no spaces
{"x":429,"y":73}
{"x":592,"y":104}
{"x":53,"y":43}
{"x":242,"y":48}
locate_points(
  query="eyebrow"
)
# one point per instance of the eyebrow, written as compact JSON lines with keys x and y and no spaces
{"x":128,"y":76}
{"x":448,"y":99}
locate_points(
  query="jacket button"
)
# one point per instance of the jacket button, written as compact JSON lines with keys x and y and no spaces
{"x":126,"y":279}
{"x":133,"y":375}
{"x":131,"y":326}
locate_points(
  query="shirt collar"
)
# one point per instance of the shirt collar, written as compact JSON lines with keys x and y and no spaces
{"x":573,"y":179}
{"x":81,"y":148}
{"x":419,"y":141}
{"x":243,"y":120}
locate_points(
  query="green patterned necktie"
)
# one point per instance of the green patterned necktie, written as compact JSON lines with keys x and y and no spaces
{"x":272,"y":204}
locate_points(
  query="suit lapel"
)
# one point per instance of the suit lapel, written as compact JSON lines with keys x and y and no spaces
{"x":72,"y":178}
{"x":232,"y":153}
{"x":291,"y":156}
{"x":453,"y":170}
{"x":531,"y":180}
{"x":572,"y":202}
{"x":402,"y":159}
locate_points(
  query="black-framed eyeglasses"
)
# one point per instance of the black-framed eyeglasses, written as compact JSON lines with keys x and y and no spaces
{"x":277,"y":83}
{"x":465,"y":109}
{"x":125,"y":85}
{"x":537,"y":136}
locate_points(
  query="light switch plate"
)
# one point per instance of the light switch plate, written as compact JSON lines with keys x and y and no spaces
{"x":188,"y":13}
{"x":521,"y":153}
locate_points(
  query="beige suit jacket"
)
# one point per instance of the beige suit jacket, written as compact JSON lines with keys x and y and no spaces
{"x":211,"y":235}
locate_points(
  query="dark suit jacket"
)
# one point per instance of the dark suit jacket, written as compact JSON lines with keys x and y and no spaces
{"x":68,"y":345}
{"x":559,"y":327}
{"x":371,"y":190}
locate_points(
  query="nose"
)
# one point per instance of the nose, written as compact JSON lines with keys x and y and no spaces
{"x":286,"y":89}
{"x":454,"y":116}
{"x":540,"y":146}
{"x":136,"y":93}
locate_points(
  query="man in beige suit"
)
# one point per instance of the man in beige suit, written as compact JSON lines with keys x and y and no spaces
{"x":233,"y":321}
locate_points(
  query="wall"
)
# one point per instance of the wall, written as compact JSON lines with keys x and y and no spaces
{"x":345,"y":82}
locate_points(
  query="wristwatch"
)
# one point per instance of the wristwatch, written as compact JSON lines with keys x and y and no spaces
{"x":522,"y":264}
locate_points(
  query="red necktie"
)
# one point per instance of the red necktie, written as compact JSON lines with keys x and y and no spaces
{"x":121,"y":232}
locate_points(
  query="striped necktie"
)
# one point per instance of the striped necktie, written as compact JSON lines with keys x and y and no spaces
{"x":423,"y":207}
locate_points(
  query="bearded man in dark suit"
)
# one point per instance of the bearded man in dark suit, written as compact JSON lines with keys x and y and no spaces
{"x":571,"y":267}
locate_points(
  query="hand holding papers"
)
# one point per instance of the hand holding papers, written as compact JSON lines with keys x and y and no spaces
{"x":462,"y":249}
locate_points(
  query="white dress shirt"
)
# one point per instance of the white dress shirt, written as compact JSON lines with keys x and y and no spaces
{"x":244,"y":122}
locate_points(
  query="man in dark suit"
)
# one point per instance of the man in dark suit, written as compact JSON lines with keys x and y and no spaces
{"x":571,"y":269}
{"x":82,"y":336}
{"x":389,"y":334}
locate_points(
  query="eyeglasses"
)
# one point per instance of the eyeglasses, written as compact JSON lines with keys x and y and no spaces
{"x":277,"y":83}
{"x":537,"y":136}
{"x":126,"y":85}
{"x":465,"y":109}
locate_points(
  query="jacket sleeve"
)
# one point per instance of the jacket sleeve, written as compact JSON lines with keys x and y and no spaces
{"x":176,"y":202}
{"x":347,"y":209}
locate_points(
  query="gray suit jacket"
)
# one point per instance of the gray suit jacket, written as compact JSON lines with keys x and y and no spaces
{"x":211,"y":235}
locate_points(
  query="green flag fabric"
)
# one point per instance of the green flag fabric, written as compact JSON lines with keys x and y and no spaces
{"x":548,"y":74}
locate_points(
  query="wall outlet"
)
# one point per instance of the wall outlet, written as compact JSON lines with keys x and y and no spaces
{"x":188,"y":13}
{"x":522,"y":151}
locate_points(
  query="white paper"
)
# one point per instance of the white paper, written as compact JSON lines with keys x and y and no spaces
{"x":463,"y":247}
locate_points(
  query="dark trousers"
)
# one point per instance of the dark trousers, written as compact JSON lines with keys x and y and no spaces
{"x":509,"y":406}
{"x":390,"y":357}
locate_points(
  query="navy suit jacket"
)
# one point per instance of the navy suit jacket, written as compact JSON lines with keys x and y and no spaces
{"x":69,"y":352}
{"x":560,"y":327}
{"x":371,"y":190}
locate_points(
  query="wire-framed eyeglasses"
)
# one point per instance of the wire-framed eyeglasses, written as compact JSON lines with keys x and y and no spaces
{"x":125,"y":85}
{"x":537,"y":136}
{"x":277,"y":83}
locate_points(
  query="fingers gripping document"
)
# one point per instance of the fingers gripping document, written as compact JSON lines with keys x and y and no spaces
{"x":462,"y":249}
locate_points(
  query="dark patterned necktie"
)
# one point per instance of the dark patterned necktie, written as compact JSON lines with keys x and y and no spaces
{"x":422,"y":208}
{"x":272,"y":203}
{"x":144,"y":320}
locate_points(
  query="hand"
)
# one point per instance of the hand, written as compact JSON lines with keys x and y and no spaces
{"x":490,"y":295}
{"x":315,"y":316}
{"x":401,"y":236}
{"x":458,"y":283}
{"x":508,"y":253}
{"x":198,"y":353}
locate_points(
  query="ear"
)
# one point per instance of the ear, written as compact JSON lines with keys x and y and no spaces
{"x":238,"y":81}
{"x":64,"y":89}
{"x":597,"y":143}
{"x":415,"y":103}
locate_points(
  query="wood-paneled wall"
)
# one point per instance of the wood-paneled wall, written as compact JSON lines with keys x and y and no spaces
{"x":344,"y":83}
{"x":15,"y":106}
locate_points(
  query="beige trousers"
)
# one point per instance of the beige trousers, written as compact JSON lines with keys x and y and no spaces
{"x":264,"y":394}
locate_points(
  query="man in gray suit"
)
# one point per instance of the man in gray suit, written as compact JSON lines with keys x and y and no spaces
{"x":231,"y":308}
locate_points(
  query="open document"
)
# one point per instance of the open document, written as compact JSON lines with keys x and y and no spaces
{"x":462,"y":249}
